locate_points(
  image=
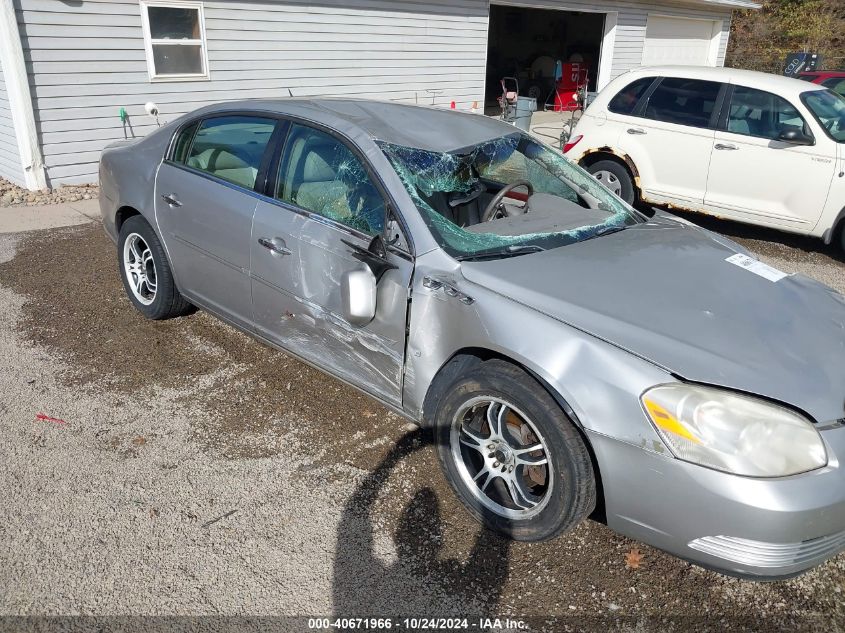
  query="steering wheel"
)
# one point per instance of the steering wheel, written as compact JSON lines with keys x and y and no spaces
{"x":496,"y":202}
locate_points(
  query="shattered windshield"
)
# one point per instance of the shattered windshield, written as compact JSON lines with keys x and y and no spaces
{"x":509,"y":195}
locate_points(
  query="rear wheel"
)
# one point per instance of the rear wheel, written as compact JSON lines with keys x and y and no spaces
{"x":512,"y":455}
{"x":842,"y":236}
{"x":615,"y":177}
{"x":145,"y":272}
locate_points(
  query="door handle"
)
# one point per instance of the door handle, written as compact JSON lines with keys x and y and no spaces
{"x":273,"y":246}
{"x":726,"y":146}
{"x":636,"y":130}
{"x":171,"y":199}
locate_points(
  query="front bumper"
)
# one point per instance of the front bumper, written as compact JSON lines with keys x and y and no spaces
{"x":763,"y":528}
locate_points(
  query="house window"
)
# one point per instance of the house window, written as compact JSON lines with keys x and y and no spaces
{"x":174,"y":38}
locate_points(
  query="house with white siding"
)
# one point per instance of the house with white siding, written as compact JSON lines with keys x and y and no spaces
{"x":75,"y":74}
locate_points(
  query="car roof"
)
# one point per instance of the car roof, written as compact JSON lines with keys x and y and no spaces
{"x":421,"y":127}
{"x":778,"y":84}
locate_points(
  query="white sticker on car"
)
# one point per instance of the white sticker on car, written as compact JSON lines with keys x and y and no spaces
{"x":757,"y":267}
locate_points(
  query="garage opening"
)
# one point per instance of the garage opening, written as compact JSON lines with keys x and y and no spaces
{"x":527,"y":44}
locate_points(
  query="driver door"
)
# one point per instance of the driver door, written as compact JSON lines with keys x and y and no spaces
{"x":754,"y":177}
{"x":339,"y":211}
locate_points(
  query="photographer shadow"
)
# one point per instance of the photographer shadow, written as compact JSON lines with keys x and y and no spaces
{"x":372,"y":578}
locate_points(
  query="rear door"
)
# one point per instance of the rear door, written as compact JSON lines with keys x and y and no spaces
{"x":205,"y":201}
{"x":670,"y":138}
{"x":754,"y":177}
{"x":334,"y":208}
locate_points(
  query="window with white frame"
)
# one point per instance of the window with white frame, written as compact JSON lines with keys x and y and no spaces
{"x":174,"y":38}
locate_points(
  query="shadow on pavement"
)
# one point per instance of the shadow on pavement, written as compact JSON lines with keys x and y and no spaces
{"x":418,"y":580}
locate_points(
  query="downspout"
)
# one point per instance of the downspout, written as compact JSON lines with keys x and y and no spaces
{"x":20,"y":99}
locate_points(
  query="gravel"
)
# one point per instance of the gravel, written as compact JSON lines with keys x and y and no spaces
{"x":198,"y":472}
{"x":12,"y":195}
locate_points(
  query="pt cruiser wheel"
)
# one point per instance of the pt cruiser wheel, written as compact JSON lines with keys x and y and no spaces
{"x":514,"y":458}
{"x":615,"y":177}
{"x":146,"y":273}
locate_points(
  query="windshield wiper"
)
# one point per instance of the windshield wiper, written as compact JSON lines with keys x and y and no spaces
{"x":605,"y":231}
{"x":509,"y":251}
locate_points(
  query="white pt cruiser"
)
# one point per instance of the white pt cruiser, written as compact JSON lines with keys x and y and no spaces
{"x":737,"y":144}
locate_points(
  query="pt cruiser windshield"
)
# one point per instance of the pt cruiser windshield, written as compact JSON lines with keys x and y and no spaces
{"x":505,"y":197}
{"x":829,"y":109}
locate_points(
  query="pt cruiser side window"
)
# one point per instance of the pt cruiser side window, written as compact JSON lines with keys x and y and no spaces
{"x":683,"y":101}
{"x":625,"y":101}
{"x":762,"y":114}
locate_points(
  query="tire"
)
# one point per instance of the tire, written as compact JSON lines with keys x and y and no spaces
{"x":842,"y":236}
{"x":616,"y":178}
{"x":562,"y":491}
{"x":145,"y":272}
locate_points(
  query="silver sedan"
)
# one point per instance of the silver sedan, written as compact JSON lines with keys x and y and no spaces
{"x":573,"y":357}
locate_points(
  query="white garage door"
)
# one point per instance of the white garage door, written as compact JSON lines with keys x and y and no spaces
{"x":679,"y":41}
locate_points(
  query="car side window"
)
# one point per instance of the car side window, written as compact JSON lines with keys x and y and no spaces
{"x":319,"y":173}
{"x":837,"y":84}
{"x":183,"y":143}
{"x":683,"y":101}
{"x":231,"y":147}
{"x":626,"y":100}
{"x":762,"y":114}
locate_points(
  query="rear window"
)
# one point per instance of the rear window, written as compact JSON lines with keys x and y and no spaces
{"x":625,"y":102}
{"x":683,"y":101}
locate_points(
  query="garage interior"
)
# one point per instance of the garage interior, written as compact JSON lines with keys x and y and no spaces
{"x":526,"y":43}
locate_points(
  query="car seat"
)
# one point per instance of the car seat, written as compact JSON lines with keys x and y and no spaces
{"x":226,"y":165}
{"x":317,"y":180}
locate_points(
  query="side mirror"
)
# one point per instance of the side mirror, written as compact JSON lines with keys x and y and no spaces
{"x":796,"y":136}
{"x":358,"y":295}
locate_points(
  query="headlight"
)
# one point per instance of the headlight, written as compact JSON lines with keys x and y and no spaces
{"x":732,"y":432}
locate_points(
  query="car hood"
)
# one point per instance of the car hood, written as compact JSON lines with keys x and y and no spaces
{"x":664,"y":291}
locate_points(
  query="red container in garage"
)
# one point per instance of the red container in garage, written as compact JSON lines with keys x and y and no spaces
{"x":566,"y":90}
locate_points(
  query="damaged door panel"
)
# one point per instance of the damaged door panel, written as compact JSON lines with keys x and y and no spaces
{"x":275,"y":268}
{"x":334,"y":213}
{"x":371,"y":355}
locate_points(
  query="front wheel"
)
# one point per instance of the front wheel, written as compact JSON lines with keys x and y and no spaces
{"x":615,"y":177}
{"x":146,"y":273}
{"x":513,"y":457}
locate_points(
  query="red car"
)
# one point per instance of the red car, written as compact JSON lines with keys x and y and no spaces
{"x":835,"y":80}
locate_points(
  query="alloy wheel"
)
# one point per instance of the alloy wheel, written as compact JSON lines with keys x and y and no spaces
{"x":502,"y":457}
{"x":139,"y":268}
